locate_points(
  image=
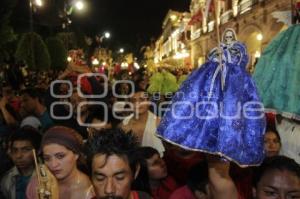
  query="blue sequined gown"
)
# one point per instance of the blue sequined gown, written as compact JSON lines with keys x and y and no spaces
{"x":204,"y":117}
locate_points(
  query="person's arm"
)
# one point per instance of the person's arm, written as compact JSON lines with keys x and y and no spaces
{"x":65,"y":74}
{"x":4,"y":192}
{"x":221,"y":184}
{"x":7,"y":116}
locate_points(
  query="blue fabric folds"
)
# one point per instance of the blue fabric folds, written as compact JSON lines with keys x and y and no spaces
{"x":204,"y":117}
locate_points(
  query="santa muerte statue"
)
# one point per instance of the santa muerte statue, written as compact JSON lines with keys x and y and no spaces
{"x":217,"y":110}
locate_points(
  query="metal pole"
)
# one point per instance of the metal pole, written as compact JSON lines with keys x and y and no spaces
{"x":30,"y":16}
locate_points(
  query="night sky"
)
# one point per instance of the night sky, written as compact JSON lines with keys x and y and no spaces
{"x":131,"y":22}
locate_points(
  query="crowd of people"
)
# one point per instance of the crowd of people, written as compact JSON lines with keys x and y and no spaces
{"x":96,"y":138}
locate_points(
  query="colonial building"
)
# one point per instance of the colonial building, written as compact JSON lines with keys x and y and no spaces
{"x":253,"y":20}
{"x":172,"y":47}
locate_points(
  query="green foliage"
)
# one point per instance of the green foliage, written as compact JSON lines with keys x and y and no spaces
{"x":6,"y":32}
{"x":69,"y":40}
{"x":81,"y":40}
{"x":32,"y":49}
{"x":58,"y":53}
{"x":7,"y":35}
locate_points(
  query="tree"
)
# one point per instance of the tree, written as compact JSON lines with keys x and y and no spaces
{"x":58,"y":53}
{"x":33,"y":50}
{"x":6,"y":32}
{"x":69,"y":40}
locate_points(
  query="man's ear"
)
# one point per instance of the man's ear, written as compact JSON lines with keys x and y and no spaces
{"x":254,"y":192}
{"x":137,"y":170}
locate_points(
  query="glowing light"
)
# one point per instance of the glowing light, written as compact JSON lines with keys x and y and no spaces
{"x":235,"y":10}
{"x":39,"y":3}
{"x":107,"y":35}
{"x":173,"y":17}
{"x":181,"y":55}
{"x":79,"y":5}
{"x":259,"y":37}
{"x":257,"y":54}
{"x":121,"y":50}
{"x":69,"y":59}
{"x":103,"y":63}
{"x":124,"y":65}
{"x":95,"y":62}
{"x":136,"y":65}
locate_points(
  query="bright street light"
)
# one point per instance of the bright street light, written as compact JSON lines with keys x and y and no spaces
{"x":107,"y":35}
{"x":121,"y":50}
{"x":69,"y":59}
{"x":39,"y":3}
{"x":79,"y":5}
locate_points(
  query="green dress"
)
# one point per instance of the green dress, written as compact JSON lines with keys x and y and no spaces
{"x":277,"y":73}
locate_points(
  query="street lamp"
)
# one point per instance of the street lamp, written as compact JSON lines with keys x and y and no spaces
{"x":107,"y":35}
{"x":79,"y":5}
{"x":39,"y":3}
{"x":32,"y":8}
{"x":121,"y":50}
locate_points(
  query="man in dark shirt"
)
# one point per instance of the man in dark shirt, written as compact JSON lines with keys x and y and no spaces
{"x":14,"y":182}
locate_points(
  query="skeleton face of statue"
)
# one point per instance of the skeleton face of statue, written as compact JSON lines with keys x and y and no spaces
{"x":229,"y":37}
